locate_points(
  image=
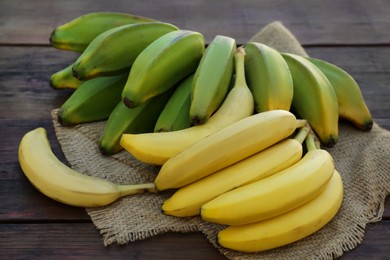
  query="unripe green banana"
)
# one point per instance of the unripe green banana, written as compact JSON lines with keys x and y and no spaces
{"x":212,"y":78}
{"x":64,"y":79}
{"x":176,"y":113}
{"x":115,"y":50}
{"x":314,"y":98}
{"x":162,"y":64}
{"x":268,"y":77}
{"x":351,"y":102}
{"x":76,"y":34}
{"x":93,"y":100}
{"x":141,"y":119}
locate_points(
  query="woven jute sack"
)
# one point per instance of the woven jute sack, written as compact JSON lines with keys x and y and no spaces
{"x":362,"y":158}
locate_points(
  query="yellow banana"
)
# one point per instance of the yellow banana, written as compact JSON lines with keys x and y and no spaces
{"x":268,"y":77}
{"x":165,"y":62}
{"x":350,"y":99}
{"x":114,"y":51}
{"x":176,"y":114}
{"x":122,"y":119}
{"x":274,"y":195}
{"x":157,"y":148}
{"x":60,"y":182}
{"x":212,"y":78}
{"x":76,"y":34}
{"x":93,"y":100}
{"x":314,"y":98}
{"x":288,"y":227}
{"x":64,"y":79}
{"x":226,"y":147}
{"x":188,"y":200}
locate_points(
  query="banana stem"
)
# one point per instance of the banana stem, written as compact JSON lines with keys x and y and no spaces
{"x":240,"y":67}
{"x":134,"y":189}
{"x":301,"y":123}
{"x":310,"y":142}
{"x":302,"y":133}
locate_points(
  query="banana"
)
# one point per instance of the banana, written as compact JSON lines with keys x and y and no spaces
{"x":268,"y":77}
{"x":122,"y":120}
{"x":188,"y":200}
{"x":61,"y":183}
{"x":226,"y":147}
{"x":176,"y":114}
{"x":64,"y":79}
{"x":275,"y":195}
{"x":93,"y":100}
{"x":162,"y":64}
{"x":352,"y":106}
{"x":314,"y":98}
{"x":76,"y":34}
{"x":115,"y":50}
{"x":157,"y":148}
{"x":212,"y":78}
{"x":289,"y":227}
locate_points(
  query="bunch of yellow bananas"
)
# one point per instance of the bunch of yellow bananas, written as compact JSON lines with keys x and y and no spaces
{"x":225,"y":124}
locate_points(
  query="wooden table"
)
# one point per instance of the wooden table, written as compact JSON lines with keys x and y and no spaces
{"x":354,"y":34}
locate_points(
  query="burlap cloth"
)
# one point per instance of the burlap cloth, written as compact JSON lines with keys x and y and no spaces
{"x":362,"y":158}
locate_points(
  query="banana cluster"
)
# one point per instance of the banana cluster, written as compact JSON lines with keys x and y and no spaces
{"x":225,"y":123}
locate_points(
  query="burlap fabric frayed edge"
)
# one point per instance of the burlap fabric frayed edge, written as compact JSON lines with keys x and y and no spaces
{"x":360,"y":157}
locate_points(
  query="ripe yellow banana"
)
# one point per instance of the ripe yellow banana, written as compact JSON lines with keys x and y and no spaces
{"x":188,"y":200}
{"x":169,"y":59}
{"x":76,"y":34}
{"x":114,"y":51}
{"x":122,"y":119}
{"x":60,"y":182}
{"x":268,"y":77}
{"x":176,"y":114}
{"x":212,"y":78}
{"x":288,"y":227}
{"x":64,"y":79}
{"x":314,"y":98}
{"x":226,"y":147}
{"x":350,"y":99}
{"x":274,"y":195}
{"x":93,"y":100}
{"x":157,"y":148}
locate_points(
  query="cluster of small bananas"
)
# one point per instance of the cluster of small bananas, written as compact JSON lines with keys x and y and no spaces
{"x":225,"y":123}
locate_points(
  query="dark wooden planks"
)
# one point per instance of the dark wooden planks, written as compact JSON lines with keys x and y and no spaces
{"x":313,"y":22}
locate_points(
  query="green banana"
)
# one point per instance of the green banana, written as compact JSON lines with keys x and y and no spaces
{"x":64,"y":79}
{"x":212,"y":78}
{"x":314,"y":98}
{"x":115,"y":50}
{"x":268,"y":77}
{"x":93,"y":100}
{"x":141,"y":119}
{"x":176,"y":113}
{"x":352,"y":106}
{"x":76,"y":34}
{"x":162,"y":64}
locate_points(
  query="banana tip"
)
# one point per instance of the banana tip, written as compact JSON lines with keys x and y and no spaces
{"x":128,"y":102}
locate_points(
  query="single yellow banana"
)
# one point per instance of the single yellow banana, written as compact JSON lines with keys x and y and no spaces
{"x":169,"y":59}
{"x":114,"y":51}
{"x":268,"y":77}
{"x":61,"y":183}
{"x":226,"y":147}
{"x":64,"y":79}
{"x":176,"y":113}
{"x":188,"y":200}
{"x":157,"y":148}
{"x":352,"y":106}
{"x":314,"y":98}
{"x":288,"y":227}
{"x":274,"y":195}
{"x":76,"y":34}
{"x":212,"y":78}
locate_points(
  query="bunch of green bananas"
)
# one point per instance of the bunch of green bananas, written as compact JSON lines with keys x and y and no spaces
{"x":225,"y":123}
